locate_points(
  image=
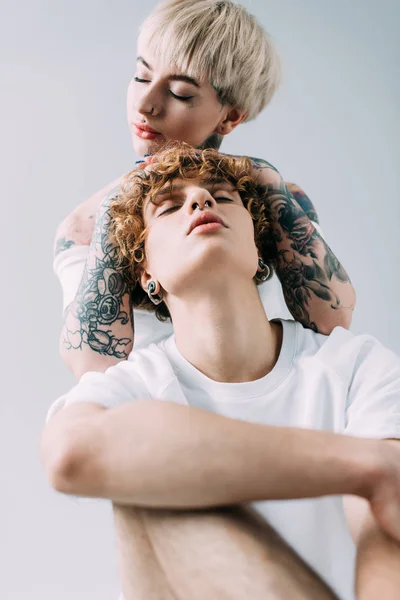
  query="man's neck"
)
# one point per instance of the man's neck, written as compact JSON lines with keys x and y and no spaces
{"x":227,"y":336}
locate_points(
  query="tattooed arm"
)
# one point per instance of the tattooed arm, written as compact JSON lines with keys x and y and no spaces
{"x":317,"y":289}
{"x":303,"y":201}
{"x":98,"y":326}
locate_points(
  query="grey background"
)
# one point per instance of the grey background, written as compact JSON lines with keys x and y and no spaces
{"x":333,"y":128}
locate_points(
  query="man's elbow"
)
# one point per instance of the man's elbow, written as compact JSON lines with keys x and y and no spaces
{"x":68,"y":445}
{"x":59,"y":460}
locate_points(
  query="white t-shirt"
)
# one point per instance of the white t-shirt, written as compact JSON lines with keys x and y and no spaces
{"x":342,"y":383}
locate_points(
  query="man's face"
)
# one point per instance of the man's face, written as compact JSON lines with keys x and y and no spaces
{"x":181,"y":252}
{"x":173,"y":105}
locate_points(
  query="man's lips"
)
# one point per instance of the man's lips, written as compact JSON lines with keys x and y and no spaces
{"x":144,"y":131}
{"x":203,"y":219}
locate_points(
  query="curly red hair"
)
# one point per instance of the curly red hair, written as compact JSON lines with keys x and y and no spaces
{"x":128,"y":229}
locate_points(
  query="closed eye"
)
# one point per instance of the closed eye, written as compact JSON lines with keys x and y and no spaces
{"x":178,"y":206}
{"x":223,"y":199}
{"x":181,"y":98}
{"x":170,"y":209}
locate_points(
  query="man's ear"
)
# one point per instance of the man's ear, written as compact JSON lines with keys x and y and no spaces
{"x":145,"y":278}
{"x":232,"y":119}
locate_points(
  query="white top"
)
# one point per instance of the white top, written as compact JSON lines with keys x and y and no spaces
{"x":341,"y":383}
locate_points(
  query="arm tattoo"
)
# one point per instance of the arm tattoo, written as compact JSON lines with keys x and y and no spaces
{"x":303,"y":200}
{"x":63,"y":244}
{"x":100,"y":297}
{"x":259,"y":164}
{"x":298,"y":256}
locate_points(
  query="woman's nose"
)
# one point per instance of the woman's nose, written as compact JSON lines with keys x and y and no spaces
{"x":148,"y":104}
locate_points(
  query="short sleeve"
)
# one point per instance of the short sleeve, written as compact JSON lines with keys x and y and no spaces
{"x":373,"y":407}
{"x":118,"y":385}
{"x":69,"y":266}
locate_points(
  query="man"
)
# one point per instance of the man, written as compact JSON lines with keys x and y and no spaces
{"x":233,"y":409}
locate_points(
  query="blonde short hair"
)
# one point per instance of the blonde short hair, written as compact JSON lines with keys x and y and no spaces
{"x":220,"y":41}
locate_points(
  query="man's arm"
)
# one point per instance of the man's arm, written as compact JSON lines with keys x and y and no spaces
{"x":161,"y":454}
{"x":317,"y":289}
{"x":378,"y":554}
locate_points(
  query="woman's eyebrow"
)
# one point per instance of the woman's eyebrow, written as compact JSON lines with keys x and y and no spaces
{"x":173,"y":77}
{"x":184,"y":78}
{"x":146,"y":64}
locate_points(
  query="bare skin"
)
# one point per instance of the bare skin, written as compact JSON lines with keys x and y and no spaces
{"x":224,"y":554}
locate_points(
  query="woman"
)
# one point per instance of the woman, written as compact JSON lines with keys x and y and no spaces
{"x":203,"y":68}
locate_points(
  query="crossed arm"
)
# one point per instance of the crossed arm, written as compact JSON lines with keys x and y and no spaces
{"x":160,"y":454}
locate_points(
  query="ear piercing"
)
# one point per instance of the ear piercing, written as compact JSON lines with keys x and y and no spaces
{"x":265,"y":271}
{"x":155,"y":298}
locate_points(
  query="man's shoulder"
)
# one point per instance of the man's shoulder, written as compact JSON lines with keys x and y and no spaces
{"x":342,"y":351}
{"x":152,"y":363}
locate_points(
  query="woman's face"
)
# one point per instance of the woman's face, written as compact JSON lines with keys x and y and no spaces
{"x":181,"y":257}
{"x":171,"y":104}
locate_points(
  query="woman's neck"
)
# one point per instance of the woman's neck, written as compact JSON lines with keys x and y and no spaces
{"x":226,"y":336}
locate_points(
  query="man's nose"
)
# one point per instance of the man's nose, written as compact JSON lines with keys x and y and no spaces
{"x":201,"y":201}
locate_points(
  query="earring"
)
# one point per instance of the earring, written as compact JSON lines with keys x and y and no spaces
{"x":265,"y":271}
{"x":155,"y":298}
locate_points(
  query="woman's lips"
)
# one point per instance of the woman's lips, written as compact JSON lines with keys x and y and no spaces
{"x":145,"y":133}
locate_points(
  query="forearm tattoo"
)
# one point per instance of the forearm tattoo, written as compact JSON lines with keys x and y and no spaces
{"x":99,"y":301}
{"x":305,"y":264}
